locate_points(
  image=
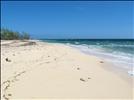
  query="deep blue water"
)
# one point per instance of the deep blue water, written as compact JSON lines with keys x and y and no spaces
{"x":118,"y":51}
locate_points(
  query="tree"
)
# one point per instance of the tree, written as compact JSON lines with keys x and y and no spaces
{"x":25,"y":35}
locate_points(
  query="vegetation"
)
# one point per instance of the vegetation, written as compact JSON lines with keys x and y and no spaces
{"x":7,"y":34}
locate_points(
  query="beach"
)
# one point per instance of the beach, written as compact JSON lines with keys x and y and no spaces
{"x":40,"y":70}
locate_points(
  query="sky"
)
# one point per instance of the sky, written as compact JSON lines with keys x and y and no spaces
{"x":70,"y":19}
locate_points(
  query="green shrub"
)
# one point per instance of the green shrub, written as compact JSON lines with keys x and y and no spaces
{"x":7,"y":34}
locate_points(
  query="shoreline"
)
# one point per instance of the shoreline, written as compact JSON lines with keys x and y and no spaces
{"x":112,"y":66}
{"x":59,"y":69}
{"x":109,"y":66}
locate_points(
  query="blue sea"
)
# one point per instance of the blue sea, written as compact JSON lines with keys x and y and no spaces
{"x":119,"y":52}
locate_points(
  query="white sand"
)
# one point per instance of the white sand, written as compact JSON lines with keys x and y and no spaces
{"x":55,"y":71}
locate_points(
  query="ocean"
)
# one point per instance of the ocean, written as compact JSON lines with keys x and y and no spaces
{"x":119,"y":52}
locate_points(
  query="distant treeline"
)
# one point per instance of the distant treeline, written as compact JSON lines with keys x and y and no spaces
{"x":7,"y":34}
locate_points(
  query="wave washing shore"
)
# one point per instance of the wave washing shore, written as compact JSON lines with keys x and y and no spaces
{"x":118,"y":52}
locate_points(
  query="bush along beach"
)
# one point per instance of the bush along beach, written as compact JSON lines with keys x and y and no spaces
{"x":7,"y":34}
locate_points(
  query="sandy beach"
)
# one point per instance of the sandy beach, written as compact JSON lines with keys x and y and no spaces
{"x":39,"y":70}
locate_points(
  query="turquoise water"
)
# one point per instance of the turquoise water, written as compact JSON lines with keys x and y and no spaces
{"x":120,"y":51}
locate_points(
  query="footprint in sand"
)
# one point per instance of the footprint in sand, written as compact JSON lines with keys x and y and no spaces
{"x":101,"y":62}
{"x":9,"y":94}
{"x":89,"y":78}
{"x":4,"y":96}
{"x":84,"y":80}
{"x":78,"y":68}
{"x":7,"y":84}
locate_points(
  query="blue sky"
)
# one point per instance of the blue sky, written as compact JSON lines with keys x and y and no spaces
{"x":69,"y":19}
